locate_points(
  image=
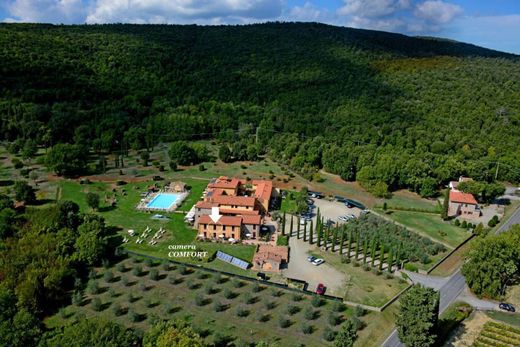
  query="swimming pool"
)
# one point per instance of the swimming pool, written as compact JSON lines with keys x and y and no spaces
{"x":163,"y":201}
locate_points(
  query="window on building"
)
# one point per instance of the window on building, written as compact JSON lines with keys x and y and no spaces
{"x":214,"y":227}
{"x":254,"y":226}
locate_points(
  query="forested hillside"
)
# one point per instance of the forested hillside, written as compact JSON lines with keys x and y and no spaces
{"x":378,"y":107}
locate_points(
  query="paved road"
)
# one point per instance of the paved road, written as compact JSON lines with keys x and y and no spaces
{"x":514,"y":219}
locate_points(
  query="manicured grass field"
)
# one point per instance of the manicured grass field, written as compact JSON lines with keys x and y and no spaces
{"x":404,"y":199}
{"x":126,"y":217}
{"x":431,"y":225}
{"x":508,"y":318}
{"x":363,"y":286}
{"x":242,"y":310}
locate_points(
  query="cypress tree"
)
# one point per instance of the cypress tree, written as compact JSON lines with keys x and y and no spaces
{"x":326,"y":237}
{"x":311,"y":234}
{"x":334,"y":238}
{"x":381,"y":256}
{"x":446,"y":205}
{"x":305,"y":232}
{"x":349,"y":244}
{"x":319,"y":231}
{"x":373,"y":251}
{"x":390,"y":260}
{"x":341,"y":241}
{"x":357,"y":245}
{"x":365,"y":250}
{"x":283,"y":224}
{"x":291,"y":226}
{"x":398,"y":257}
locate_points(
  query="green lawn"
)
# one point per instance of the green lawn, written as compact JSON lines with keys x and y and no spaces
{"x":404,"y":199}
{"x":163,"y":299}
{"x":508,"y":318}
{"x":431,"y":225}
{"x":126,"y":217}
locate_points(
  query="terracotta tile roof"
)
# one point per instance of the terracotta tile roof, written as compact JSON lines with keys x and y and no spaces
{"x":234,"y":200}
{"x":224,"y":220}
{"x":205,"y":204}
{"x":464,"y":198}
{"x":276,"y":253}
{"x":225,"y":183}
{"x":263,"y":189}
{"x":239,"y":212}
{"x":251,"y":219}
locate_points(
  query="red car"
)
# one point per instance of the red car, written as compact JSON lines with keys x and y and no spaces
{"x":320,"y":289}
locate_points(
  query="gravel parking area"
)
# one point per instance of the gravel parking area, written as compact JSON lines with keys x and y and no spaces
{"x":333,"y":209}
{"x":299,"y":268}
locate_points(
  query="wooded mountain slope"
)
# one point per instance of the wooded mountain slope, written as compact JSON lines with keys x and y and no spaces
{"x":368,"y":105}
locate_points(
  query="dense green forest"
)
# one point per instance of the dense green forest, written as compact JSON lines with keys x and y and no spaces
{"x":386,"y":109}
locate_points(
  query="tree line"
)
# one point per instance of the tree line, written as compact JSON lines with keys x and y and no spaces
{"x":360,"y":104}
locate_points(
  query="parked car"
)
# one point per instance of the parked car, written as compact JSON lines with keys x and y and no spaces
{"x":317,"y":261}
{"x":261,"y":276}
{"x":506,"y":307}
{"x":303,"y":221}
{"x":343,"y":218}
{"x":310,"y":202}
{"x":320,"y":289}
{"x":311,"y":258}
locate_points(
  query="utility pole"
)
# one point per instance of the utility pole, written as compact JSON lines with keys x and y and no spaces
{"x":496,"y":173}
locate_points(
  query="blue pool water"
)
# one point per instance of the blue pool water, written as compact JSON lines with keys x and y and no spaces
{"x":163,"y":201}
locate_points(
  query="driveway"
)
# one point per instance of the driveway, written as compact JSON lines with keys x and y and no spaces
{"x":301,"y":269}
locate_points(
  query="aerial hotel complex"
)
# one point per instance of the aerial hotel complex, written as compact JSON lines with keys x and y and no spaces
{"x":241,"y":205}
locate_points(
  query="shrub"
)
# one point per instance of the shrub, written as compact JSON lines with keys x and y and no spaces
{"x":262,"y":317}
{"x":242,"y":312}
{"x":229,"y":294}
{"x":148,"y":262}
{"x":316,"y":301}
{"x":77,"y":298}
{"x":183,"y":270}
{"x":137,"y":270}
{"x":357,"y":323}
{"x":191,"y":284}
{"x":112,"y":293}
{"x":291,"y":309}
{"x":166,"y":265}
{"x":108,"y":276}
{"x":338,"y":306}
{"x":329,"y":334}
{"x":105,"y":263}
{"x":238,"y":283}
{"x":202,"y":275}
{"x":256,"y":288}
{"x":310,"y":314}
{"x":93,"y":287}
{"x":142,"y":286}
{"x":284,"y":322}
{"x":276,"y":293}
{"x":133,"y":316}
{"x":307,"y":328}
{"x":359,"y":311}
{"x":218,"y":306}
{"x":334,"y":319}
{"x":174,"y":279}
{"x":269,"y":305}
{"x":200,"y":300}
{"x":208,"y":289}
{"x":154,"y":274}
{"x":411,"y":267}
{"x":249,"y":299}
{"x":96,"y":304}
{"x":218,"y":279}
{"x":120,"y":267}
{"x":117,"y":310}
{"x":296,"y":297}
